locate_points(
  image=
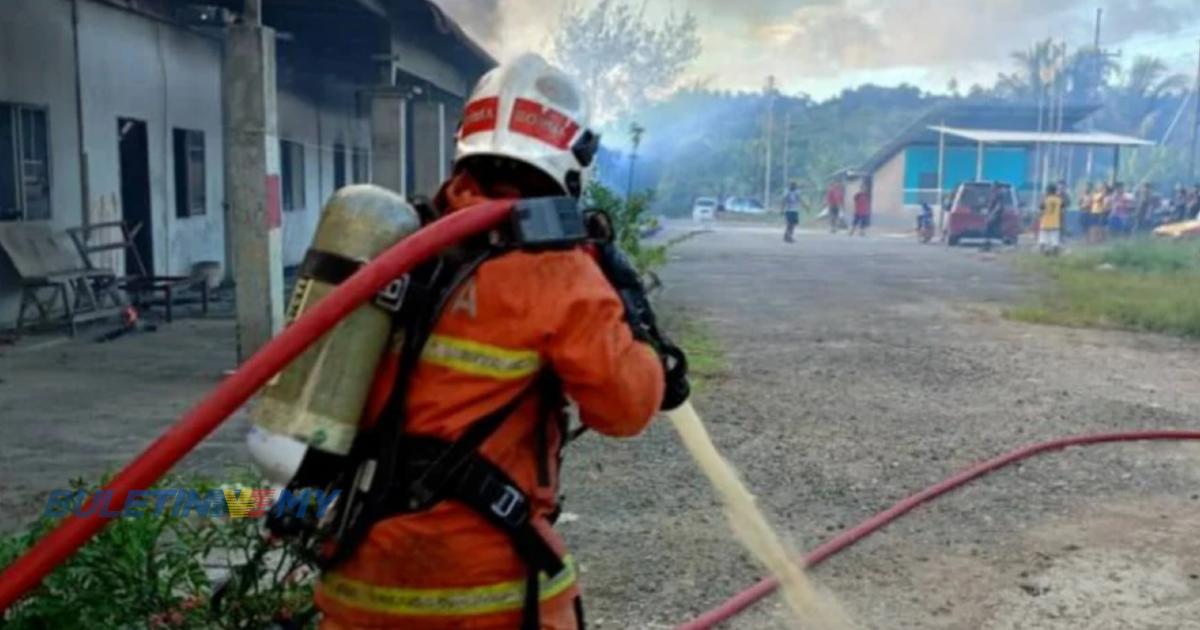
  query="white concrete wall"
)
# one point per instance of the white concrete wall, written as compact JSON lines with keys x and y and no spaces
{"x":134,"y":67}
{"x":888,"y":187}
{"x":317,"y":118}
{"x":37,"y":67}
{"x":170,"y":77}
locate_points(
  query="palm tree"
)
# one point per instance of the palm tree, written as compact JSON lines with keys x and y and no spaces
{"x":1036,"y":68}
{"x":1136,"y":103}
{"x":1046,"y":68}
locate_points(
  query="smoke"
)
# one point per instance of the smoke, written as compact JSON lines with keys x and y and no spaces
{"x":480,"y":18}
{"x":507,"y":28}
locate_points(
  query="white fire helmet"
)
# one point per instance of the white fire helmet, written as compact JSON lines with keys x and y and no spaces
{"x":529,"y":111}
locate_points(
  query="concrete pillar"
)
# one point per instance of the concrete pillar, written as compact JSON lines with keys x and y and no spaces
{"x":447,"y":145}
{"x":451,"y":115}
{"x":388,"y":159}
{"x":252,"y":182}
{"x":427,"y":143}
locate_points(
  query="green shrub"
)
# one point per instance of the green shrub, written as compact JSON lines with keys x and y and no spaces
{"x":153,"y":572}
{"x":630,"y":217}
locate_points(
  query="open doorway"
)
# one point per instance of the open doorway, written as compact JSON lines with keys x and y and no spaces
{"x":135,"y":193}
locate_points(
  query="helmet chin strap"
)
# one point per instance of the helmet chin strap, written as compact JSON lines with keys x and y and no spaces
{"x":498,"y":177}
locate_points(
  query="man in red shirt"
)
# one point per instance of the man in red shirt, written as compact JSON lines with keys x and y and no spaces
{"x":862,"y":210}
{"x":834,"y":198}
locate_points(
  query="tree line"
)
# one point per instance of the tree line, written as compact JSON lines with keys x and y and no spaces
{"x":711,"y":142}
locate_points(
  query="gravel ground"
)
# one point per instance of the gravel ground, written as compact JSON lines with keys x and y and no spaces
{"x":858,"y":371}
{"x":861,"y":370}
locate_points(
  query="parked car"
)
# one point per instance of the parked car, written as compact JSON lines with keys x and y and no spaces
{"x":704,"y":209}
{"x":969,"y":210}
{"x":743,"y":205}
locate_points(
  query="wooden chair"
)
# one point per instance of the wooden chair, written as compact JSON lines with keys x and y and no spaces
{"x":54,"y":280}
{"x":137,"y":282}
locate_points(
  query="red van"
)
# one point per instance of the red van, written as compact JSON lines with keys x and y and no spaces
{"x":970,"y":208}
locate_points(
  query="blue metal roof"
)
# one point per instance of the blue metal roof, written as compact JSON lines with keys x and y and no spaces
{"x":996,"y":115}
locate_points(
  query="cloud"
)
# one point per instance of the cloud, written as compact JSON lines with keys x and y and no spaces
{"x":813,"y":45}
{"x":839,"y":35}
{"x":1129,"y":18}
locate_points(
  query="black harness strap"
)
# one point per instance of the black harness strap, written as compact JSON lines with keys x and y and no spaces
{"x":328,"y":267}
{"x":414,"y":473}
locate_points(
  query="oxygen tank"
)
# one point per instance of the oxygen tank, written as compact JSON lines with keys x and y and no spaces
{"x":317,"y":401}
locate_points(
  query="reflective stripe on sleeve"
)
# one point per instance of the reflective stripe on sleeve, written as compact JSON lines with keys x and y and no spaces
{"x":480,"y":359}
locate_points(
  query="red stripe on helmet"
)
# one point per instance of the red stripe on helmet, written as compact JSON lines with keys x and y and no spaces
{"x":480,"y":116}
{"x":544,"y":123}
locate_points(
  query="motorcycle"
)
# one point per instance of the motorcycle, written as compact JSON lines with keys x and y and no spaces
{"x":925,"y":224}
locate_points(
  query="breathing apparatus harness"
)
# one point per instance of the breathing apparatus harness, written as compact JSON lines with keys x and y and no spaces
{"x":390,"y":472}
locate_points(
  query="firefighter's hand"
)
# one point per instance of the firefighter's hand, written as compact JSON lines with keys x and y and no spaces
{"x":678,"y":389}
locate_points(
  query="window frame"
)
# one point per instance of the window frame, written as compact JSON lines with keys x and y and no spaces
{"x":190,"y":201}
{"x":360,"y":165}
{"x":291,"y":164}
{"x":16,"y":112}
{"x":340,"y":173}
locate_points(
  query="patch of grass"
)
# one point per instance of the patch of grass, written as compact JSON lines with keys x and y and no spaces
{"x":1143,"y":285}
{"x":768,"y":218}
{"x":706,"y":359}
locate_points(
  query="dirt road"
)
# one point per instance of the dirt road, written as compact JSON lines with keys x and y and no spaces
{"x":858,"y":371}
{"x":861,"y":370}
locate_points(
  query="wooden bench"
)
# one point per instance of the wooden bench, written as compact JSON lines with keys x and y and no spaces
{"x":55,"y":281}
{"x":137,"y":282}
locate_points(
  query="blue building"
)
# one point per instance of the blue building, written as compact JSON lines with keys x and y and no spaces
{"x":987,"y":141}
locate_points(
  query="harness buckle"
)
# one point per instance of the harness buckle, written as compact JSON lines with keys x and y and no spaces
{"x":510,"y":500}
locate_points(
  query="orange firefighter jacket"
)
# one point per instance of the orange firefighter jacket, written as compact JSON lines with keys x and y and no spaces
{"x":518,"y":314}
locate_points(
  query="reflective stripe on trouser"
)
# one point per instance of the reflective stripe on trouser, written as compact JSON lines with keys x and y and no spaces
{"x":443,"y":602}
{"x":480,"y":359}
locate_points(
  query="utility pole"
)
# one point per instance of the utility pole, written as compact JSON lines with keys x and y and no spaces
{"x":770,"y":132}
{"x":1095,"y":72}
{"x":787,"y":136}
{"x":252,"y":186}
{"x":1195,"y":130}
{"x":635,"y":132}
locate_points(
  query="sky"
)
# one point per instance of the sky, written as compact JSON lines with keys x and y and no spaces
{"x":820,"y":47}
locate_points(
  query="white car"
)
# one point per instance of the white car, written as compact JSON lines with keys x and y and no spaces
{"x":704,"y":209}
{"x":743,"y":205}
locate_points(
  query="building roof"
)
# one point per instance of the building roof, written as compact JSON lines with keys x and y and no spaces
{"x":1000,"y":136}
{"x":342,"y":29}
{"x":997,"y":115}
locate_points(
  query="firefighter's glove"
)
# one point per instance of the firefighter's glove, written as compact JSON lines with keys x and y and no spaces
{"x":638,"y":312}
{"x":677,"y":390}
{"x":627,"y":283}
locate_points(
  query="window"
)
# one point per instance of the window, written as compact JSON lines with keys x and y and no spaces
{"x":190,"y":190}
{"x":928,"y":183}
{"x":24,"y":163}
{"x":339,"y":166}
{"x":361,"y":166}
{"x":291,"y":158}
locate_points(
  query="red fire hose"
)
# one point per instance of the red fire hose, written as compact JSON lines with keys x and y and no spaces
{"x":766,"y":586}
{"x":28,"y":570}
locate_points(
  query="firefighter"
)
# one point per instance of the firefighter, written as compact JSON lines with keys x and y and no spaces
{"x":524,"y":333}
